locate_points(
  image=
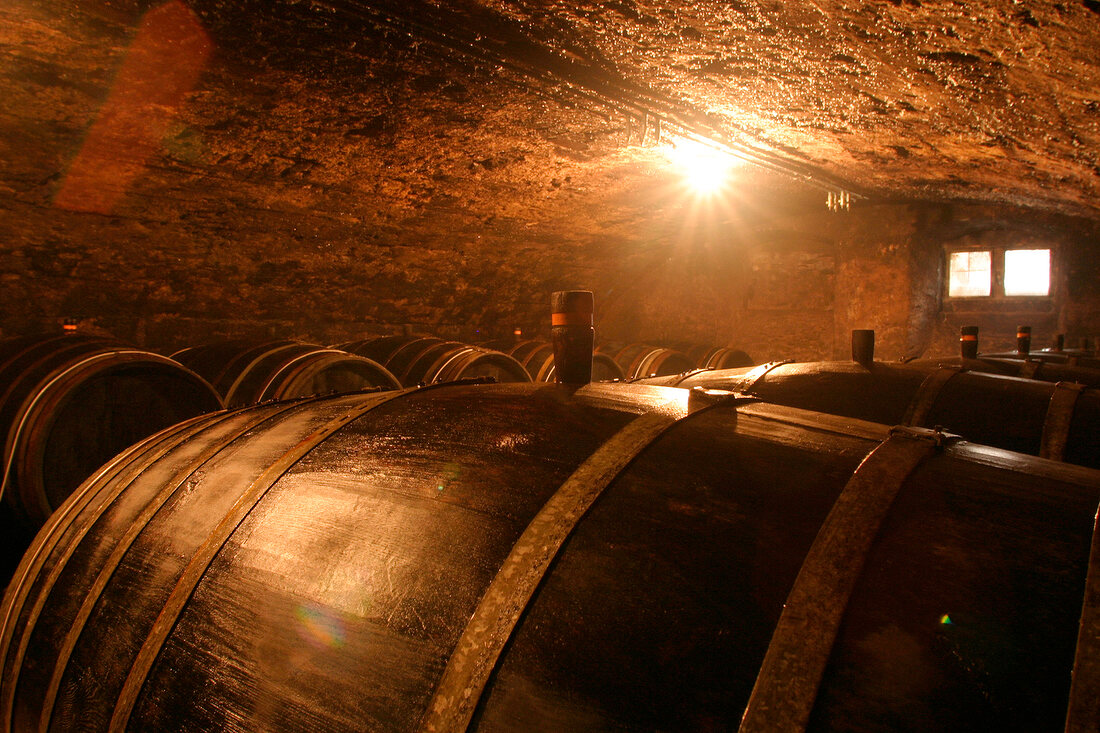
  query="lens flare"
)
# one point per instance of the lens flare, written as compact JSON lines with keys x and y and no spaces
{"x":706,"y":170}
{"x":319,"y":626}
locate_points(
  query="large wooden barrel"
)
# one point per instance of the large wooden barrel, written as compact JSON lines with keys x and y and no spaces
{"x":537,"y":358}
{"x":67,"y":405}
{"x":641,"y":360}
{"x":427,"y":360}
{"x":714,"y":357}
{"x":247,"y":372}
{"x":527,"y":557}
{"x":1059,"y":421}
{"x":381,"y":348}
{"x":451,"y":361}
{"x":1046,"y":371}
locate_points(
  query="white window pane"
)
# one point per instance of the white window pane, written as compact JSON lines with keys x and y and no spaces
{"x":968,"y":273}
{"x":1027,"y":272}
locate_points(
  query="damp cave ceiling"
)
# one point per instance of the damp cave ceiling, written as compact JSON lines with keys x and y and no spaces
{"x":392,"y":112}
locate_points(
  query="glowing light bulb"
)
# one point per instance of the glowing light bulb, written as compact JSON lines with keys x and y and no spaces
{"x":706,"y":170}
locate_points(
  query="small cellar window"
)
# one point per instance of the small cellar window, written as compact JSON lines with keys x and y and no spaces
{"x":998,"y":273}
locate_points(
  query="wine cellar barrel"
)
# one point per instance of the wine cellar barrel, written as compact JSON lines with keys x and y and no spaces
{"x":534,"y":356}
{"x":715,"y":357}
{"x":245,"y":373}
{"x":67,"y":405}
{"x":530,"y":557}
{"x":1046,"y":371}
{"x":70,"y":402}
{"x":537,"y":358}
{"x":451,"y":361}
{"x":1059,"y":421}
{"x":425,"y":359}
{"x":604,"y":369}
{"x":641,"y":360}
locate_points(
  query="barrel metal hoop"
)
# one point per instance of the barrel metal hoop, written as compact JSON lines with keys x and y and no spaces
{"x":230,"y":393}
{"x":261,"y":396}
{"x":748,"y":382}
{"x":51,"y":535}
{"x":786,"y":688}
{"x":196,"y":568}
{"x":435,"y":373}
{"x":1083,"y":712}
{"x":491,"y":626}
{"x":1058,"y":420}
{"x":921,"y":405}
{"x":1029,"y":369}
{"x":43,"y":388}
{"x":135,"y":528}
{"x":691,"y":373}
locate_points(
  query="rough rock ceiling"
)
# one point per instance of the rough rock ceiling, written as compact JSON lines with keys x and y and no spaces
{"x":505,"y":110}
{"x":993,"y":100}
{"x":973,"y":100}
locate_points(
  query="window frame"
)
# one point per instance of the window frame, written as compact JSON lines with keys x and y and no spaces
{"x":997,"y":276}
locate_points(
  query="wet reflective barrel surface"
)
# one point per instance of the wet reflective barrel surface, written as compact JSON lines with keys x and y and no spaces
{"x":326,"y":564}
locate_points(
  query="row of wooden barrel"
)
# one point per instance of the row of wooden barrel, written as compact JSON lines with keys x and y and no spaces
{"x":70,"y":402}
{"x":248,"y":372}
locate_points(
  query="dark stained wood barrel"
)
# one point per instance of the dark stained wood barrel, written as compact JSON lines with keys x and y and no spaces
{"x":537,"y":358}
{"x":1069,"y":357}
{"x":450,"y":361}
{"x":67,"y":405}
{"x":641,"y":360}
{"x":1046,"y":371}
{"x":537,"y":557}
{"x":427,"y":360}
{"x":533,"y":355}
{"x":381,"y":348}
{"x":604,"y":369}
{"x":714,"y":357}
{"x":247,"y":372}
{"x":1058,"y":421}
{"x":721,"y":357}
{"x":397,"y":353}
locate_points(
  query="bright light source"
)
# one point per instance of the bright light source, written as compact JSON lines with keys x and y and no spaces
{"x":969,"y":273}
{"x":705,"y":169}
{"x":1027,"y":272}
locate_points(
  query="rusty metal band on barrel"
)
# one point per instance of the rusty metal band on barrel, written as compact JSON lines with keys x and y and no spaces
{"x":108,"y":567}
{"x":1083,"y":713}
{"x":917,"y":411}
{"x":126,"y":466}
{"x":751,"y":379}
{"x":478,"y":649}
{"x":196,"y":568}
{"x":786,"y":688}
{"x":1058,"y":420}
